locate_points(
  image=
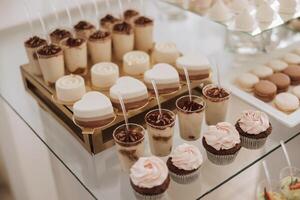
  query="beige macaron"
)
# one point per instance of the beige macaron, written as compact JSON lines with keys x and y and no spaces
{"x":286,"y":102}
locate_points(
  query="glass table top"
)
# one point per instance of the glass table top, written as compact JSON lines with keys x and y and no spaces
{"x":101,"y":174}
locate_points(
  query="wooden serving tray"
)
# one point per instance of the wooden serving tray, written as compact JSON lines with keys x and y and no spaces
{"x":102,"y":138}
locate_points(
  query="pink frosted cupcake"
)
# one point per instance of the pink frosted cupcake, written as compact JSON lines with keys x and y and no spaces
{"x":222,"y":143}
{"x":184,"y":163}
{"x":254,"y":128}
{"x":149,"y":178}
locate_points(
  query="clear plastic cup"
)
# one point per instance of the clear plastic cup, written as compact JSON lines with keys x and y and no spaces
{"x":290,"y":183}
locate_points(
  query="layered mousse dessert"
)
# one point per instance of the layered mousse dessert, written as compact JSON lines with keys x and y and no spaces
{"x":149,"y":178}
{"x":198,"y":67}
{"x":31,"y":46}
{"x":165,"y":52}
{"x":123,"y":39}
{"x":160,"y":127}
{"x":100,"y":46}
{"x":165,"y":76}
{"x":135,"y":63}
{"x":129,"y":144}
{"x":93,"y":110}
{"x":190,"y":114}
{"x":70,"y":88}
{"x":51,"y":61}
{"x":217,"y":100}
{"x":104,"y":75}
{"x":58,"y":35}
{"x":143,"y":33}
{"x":75,"y":54}
{"x":84,"y":29}
{"x":133,"y":92}
{"x":108,"y":21}
{"x":290,"y":183}
{"x":130,"y":15}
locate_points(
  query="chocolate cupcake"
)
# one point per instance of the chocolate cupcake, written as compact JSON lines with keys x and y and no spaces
{"x":222,"y":143}
{"x":149,"y":178}
{"x":184,"y":164}
{"x":254,"y":128}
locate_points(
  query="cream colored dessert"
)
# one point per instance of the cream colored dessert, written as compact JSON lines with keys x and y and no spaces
{"x":136,"y":63}
{"x":31,"y":46}
{"x":292,"y":58}
{"x":133,"y":92}
{"x":287,"y":6}
{"x":58,"y":35}
{"x":245,"y":21}
{"x":217,"y":101}
{"x":108,"y":21}
{"x":198,"y":67}
{"x":290,"y":187}
{"x":130,"y":15}
{"x":69,"y":88}
{"x":286,"y":102}
{"x":190,"y":114}
{"x":130,"y":144}
{"x":165,"y":76}
{"x":265,"y":13}
{"x":75,"y":54}
{"x":246,"y":81}
{"x":160,"y":129}
{"x":84,"y":29}
{"x":262,"y":71}
{"x":100,"y":46}
{"x":123,"y":39}
{"x":51,"y":61}
{"x":220,"y":12}
{"x":277,"y":65}
{"x":104,"y":74}
{"x":94,"y":110}
{"x":165,"y":52}
{"x":143,"y":33}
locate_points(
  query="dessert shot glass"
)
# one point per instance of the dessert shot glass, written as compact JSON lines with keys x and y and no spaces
{"x":190,"y":116}
{"x":160,"y":131}
{"x":129,"y":144}
{"x":290,"y":183}
{"x":265,"y":190}
{"x":216,"y":103}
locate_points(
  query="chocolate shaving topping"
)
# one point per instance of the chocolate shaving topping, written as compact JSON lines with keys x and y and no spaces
{"x":130,"y":13}
{"x":189,"y":106}
{"x":99,"y":35}
{"x":108,"y":18}
{"x":143,"y":21}
{"x":217,"y":92}
{"x":83,"y":25}
{"x":129,"y":136}
{"x":123,"y":27}
{"x":156,"y":119}
{"x":60,"y":33}
{"x":50,"y":49}
{"x":74,"y":42}
{"x":35,"y":42}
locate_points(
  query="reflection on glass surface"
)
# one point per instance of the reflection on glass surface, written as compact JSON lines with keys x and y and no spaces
{"x":102,"y":174}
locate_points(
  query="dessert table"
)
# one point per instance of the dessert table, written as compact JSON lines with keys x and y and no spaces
{"x":101,"y":174}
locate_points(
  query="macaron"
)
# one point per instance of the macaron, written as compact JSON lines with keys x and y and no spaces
{"x":286,"y":102}
{"x":292,"y":58}
{"x":246,"y":81}
{"x":265,"y":90}
{"x":281,"y":80}
{"x":262,"y":71}
{"x":277,"y":65}
{"x":293,"y":71}
{"x":296,"y":91}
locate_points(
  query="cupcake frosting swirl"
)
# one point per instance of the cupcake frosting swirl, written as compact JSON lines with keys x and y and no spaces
{"x":148,"y":172}
{"x":222,"y":136}
{"x":254,"y":122}
{"x":187,"y":157}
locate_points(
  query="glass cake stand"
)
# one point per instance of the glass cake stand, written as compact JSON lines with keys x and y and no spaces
{"x":101,"y":174}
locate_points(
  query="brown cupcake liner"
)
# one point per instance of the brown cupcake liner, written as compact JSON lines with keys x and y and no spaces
{"x":185,"y":179}
{"x":140,"y":196}
{"x":252,"y":143}
{"x":221,"y":159}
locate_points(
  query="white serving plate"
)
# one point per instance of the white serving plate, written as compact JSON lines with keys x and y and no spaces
{"x":289,"y":119}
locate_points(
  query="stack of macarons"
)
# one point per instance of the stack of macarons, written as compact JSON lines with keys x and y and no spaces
{"x":274,"y":81}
